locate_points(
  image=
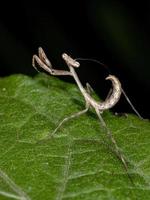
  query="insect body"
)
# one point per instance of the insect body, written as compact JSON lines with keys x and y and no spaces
{"x":112,"y":98}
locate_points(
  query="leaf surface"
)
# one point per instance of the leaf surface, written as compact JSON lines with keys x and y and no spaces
{"x":76,"y":164}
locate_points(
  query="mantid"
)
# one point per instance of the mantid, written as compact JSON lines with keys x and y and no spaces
{"x":99,"y":107}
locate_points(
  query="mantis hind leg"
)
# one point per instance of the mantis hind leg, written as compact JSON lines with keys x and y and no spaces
{"x":133,"y":108}
{"x":117,"y":150}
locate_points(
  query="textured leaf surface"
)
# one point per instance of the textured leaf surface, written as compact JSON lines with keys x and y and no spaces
{"x":74,"y":164}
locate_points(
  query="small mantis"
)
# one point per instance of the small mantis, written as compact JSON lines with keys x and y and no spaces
{"x":99,"y":107}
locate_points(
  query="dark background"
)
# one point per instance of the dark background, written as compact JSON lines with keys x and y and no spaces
{"x":116,"y":33}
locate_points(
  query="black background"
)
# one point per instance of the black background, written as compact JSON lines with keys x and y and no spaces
{"x":116,"y":33}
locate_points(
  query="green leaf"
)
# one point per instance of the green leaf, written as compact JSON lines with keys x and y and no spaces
{"x":75,"y":164}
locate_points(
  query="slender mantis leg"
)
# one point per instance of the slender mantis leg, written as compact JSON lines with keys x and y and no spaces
{"x":129,"y":102}
{"x":66,"y":119}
